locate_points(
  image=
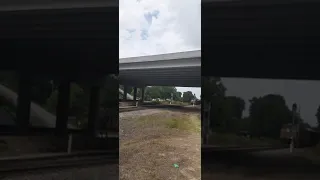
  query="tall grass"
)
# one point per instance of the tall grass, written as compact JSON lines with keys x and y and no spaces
{"x":227,"y":139}
{"x":187,"y":123}
{"x":183,"y":122}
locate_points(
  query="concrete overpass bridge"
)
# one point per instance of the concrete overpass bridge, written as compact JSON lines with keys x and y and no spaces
{"x":175,"y":69}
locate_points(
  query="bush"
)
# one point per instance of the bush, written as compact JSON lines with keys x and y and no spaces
{"x":227,"y":139}
{"x":186,"y":123}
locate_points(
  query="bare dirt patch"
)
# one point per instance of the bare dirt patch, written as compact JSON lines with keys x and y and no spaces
{"x":151,"y":141}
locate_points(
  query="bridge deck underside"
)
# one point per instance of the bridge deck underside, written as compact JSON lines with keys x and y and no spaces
{"x":175,"y":76}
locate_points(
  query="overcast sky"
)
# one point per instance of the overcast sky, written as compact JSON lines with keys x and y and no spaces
{"x":196,"y":91}
{"x":150,"y":27}
{"x":304,"y":93}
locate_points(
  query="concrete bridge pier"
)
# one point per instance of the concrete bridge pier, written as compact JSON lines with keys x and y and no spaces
{"x":135,"y":93}
{"x":142,"y":94}
{"x":23,"y":102}
{"x":125,"y":92}
{"x":93,"y":117}
{"x":62,"y":110}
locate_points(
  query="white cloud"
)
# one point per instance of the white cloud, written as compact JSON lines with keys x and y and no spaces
{"x":149,"y":27}
{"x":171,"y":25}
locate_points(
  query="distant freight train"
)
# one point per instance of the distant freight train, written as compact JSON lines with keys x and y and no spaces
{"x":303,"y":136}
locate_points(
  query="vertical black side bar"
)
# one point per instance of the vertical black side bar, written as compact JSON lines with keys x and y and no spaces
{"x":62,"y":110}
{"x":24,"y":102}
{"x":93,"y":118}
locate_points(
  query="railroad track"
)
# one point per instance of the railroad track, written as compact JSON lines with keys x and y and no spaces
{"x":31,"y":164}
{"x":133,"y":108}
{"x":157,"y":106}
{"x":209,"y":149}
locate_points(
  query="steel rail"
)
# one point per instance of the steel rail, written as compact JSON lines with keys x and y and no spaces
{"x":19,"y":165}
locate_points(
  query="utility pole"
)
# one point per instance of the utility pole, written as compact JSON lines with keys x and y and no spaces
{"x":194,"y":99}
{"x":293,"y":133}
{"x":298,"y":127}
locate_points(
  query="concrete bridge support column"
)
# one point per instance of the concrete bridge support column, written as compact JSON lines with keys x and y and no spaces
{"x":24,"y":102}
{"x":205,"y":118}
{"x":93,"y":118}
{"x":62,"y":110}
{"x":134,"y":93}
{"x":142,"y":94}
{"x":125,"y":92}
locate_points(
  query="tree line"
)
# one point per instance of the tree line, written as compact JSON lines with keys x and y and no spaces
{"x":164,"y":92}
{"x":267,"y":114}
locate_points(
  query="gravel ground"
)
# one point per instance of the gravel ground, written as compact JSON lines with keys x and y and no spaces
{"x":133,"y":114}
{"x":149,"y":151}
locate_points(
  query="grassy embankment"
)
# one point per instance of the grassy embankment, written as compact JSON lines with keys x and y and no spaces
{"x":228,"y":139}
{"x":183,"y":122}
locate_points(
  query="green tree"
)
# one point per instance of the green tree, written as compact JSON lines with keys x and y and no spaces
{"x":212,"y":87}
{"x":152,"y":92}
{"x":162,"y":92}
{"x":237,"y":106}
{"x":187,"y":96}
{"x":166,"y":92}
{"x":306,"y":125}
{"x":268,"y":114}
{"x":213,"y":91}
{"x":318,"y":116}
{"x":226,"y":113}
{"x":178,"y":96}
{"x":244,"y":124}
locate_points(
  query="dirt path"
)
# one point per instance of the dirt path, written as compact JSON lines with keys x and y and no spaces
{"x":148,"y":150}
